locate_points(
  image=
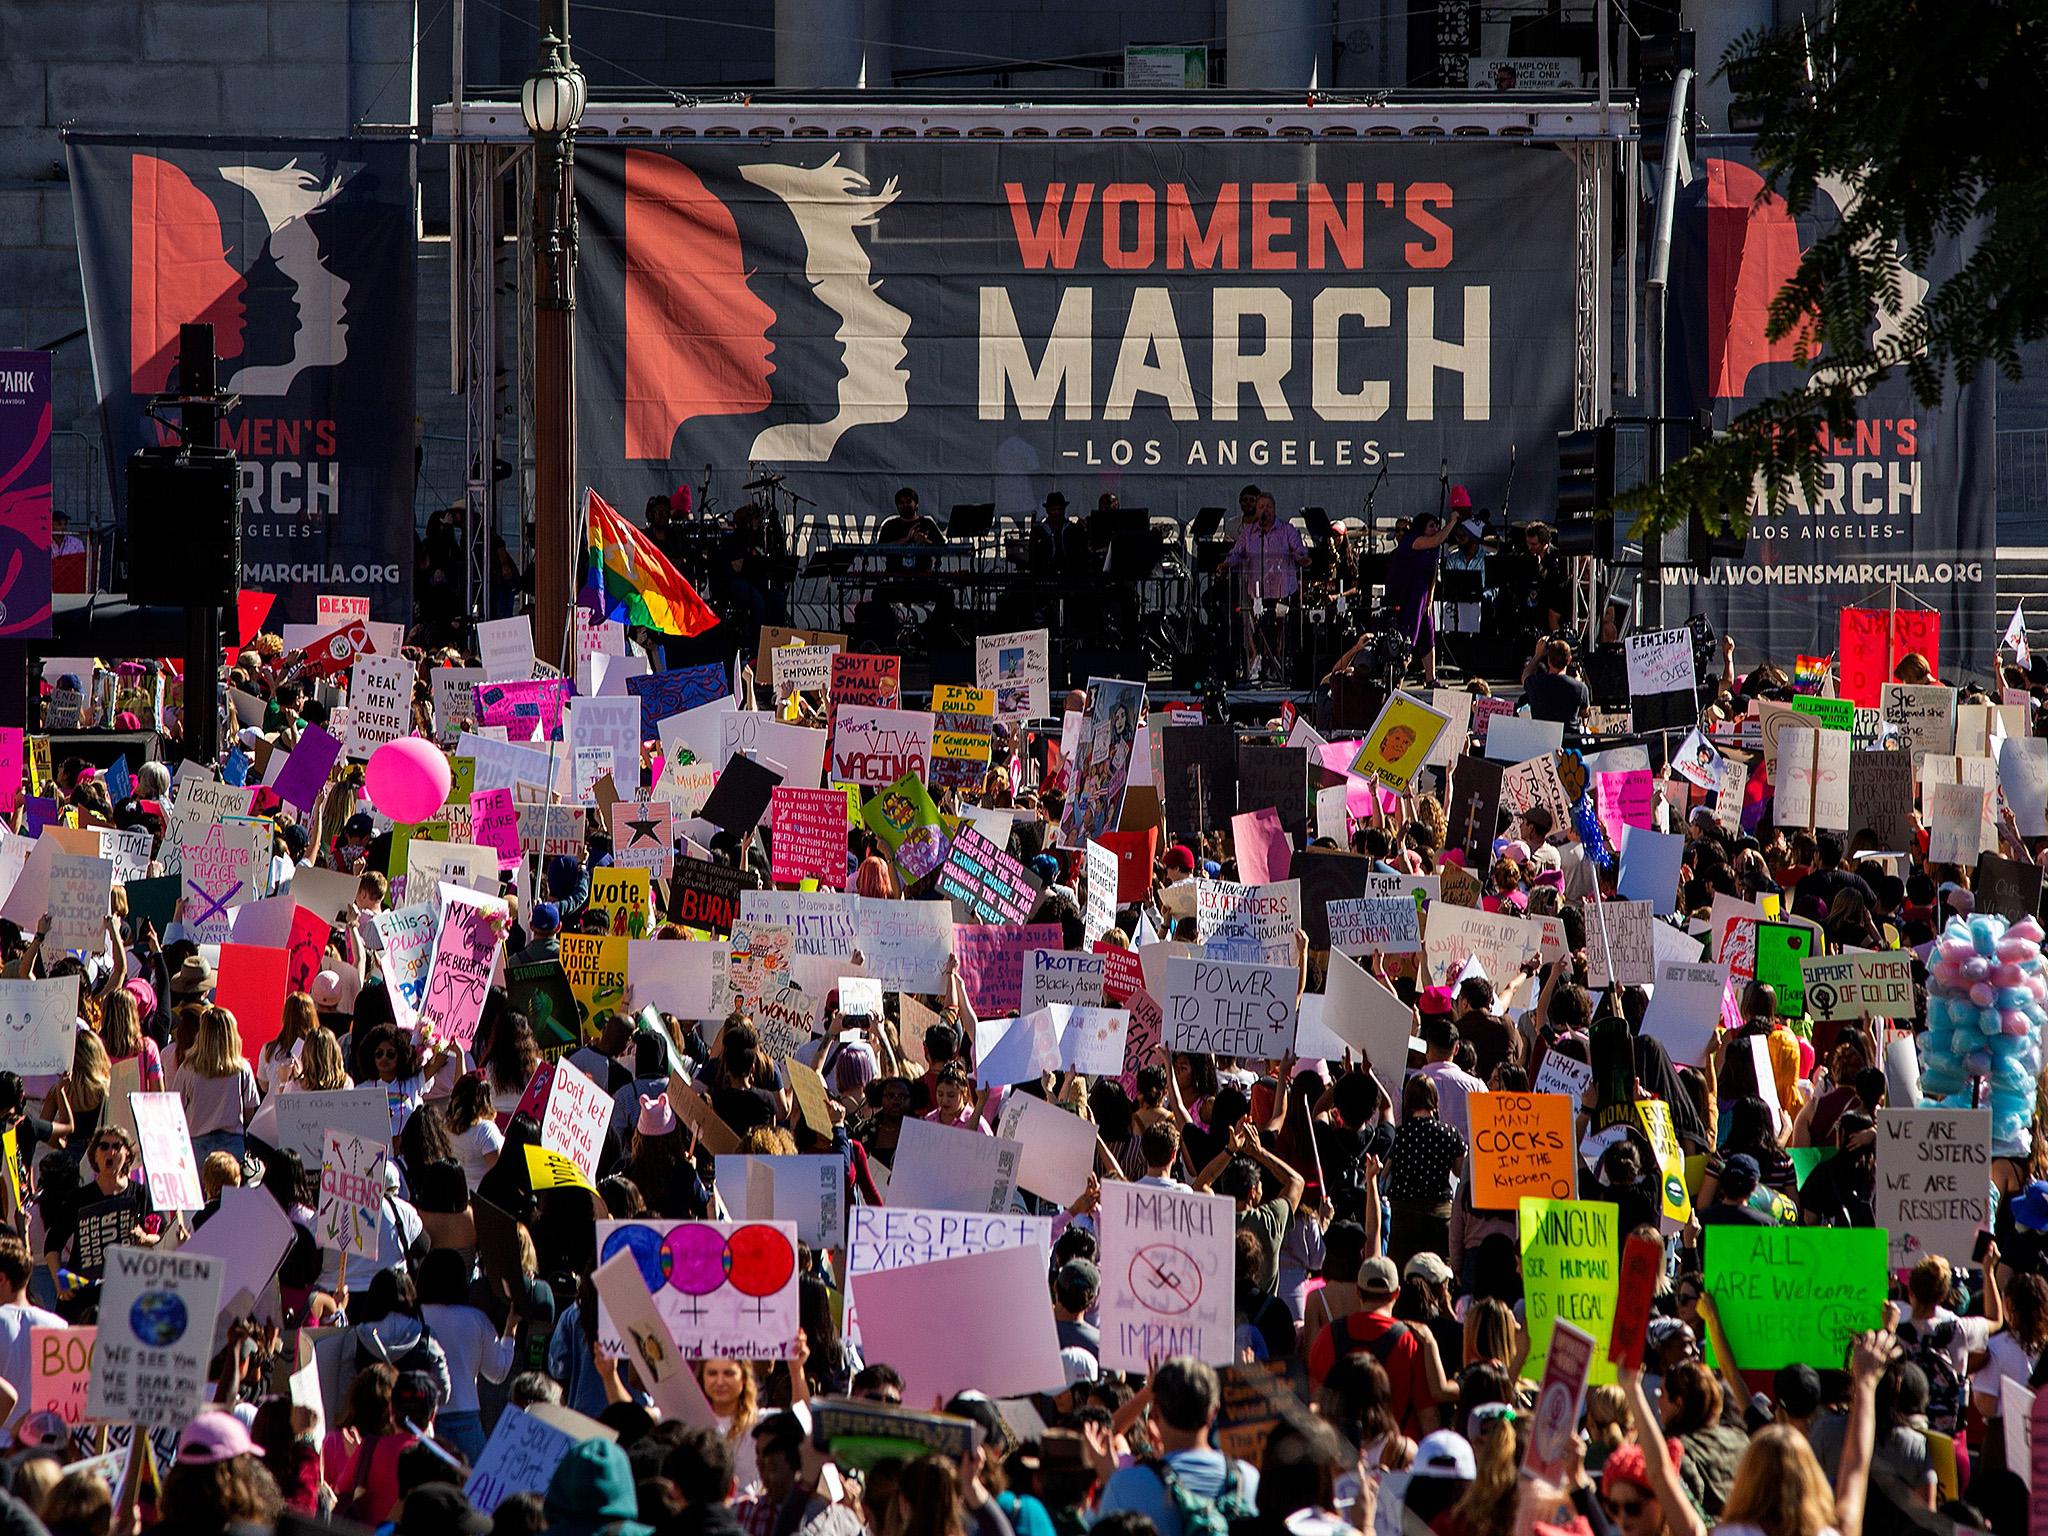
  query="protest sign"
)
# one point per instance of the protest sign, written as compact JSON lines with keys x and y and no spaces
{"x":380,"y":702}
{"x":859,"y":678}
{"x":807,"y":830}
{"x":1849,"y":986}
{"x":1168,"y":1276}
{"x":986,"y":880}
{"x":1059,"y":1147}
{"x":906,"y":942}
{"x":1933,"y":1181}
{"x":873,"y":747}
{"x":1365,"y":1015}
{"x":1959,"y":822}
{"x":1922,"y":715}
{"x":80,"y":893}
{"x":1017,"y":667}
{"x":2011,"y":888}
{"x":1567,"y":1365}
{"x":948,"y":1169}
{"x":1620,"y":949}
{"x":2023,"y":775}
{"x":623,"y":897}
{"x":1651,"y":863}
{"x":1232,"y":1009}
{"x":903,"y":817}
{"x":808,"y":1191}
{"x":220,"y":867}
{"x":823,"y":925}
{"x":1374,"y":925}
{"x":1248,"y":924}
{"x":992,"y":962}
{"x":1100,"y":879}
{"x":1276,"y":777}
{"x":1015,"y":1360}
{"x":1522,"y":1144}
{"x":1499,"y":941}
{"x":800,"y":668}
{"x":1796,"y":1295}
{"x":351,"y":1195}
{"x":706,"y":896}
{"x":1662,"y":680}
{"x":898,"y":1237}
{"x":494,"y":823}
{"x":1061,"y":976}
{"x":60,"y":1371}
{"x":303,"y":1119}
{"x":407,"y":937}
{"x":1399,"y":742}
{"x":1018,"y":1050}
{"x":38,"y":1024}
{"x":739,"y":798}
{"x":643,"y":836}
{"x":157,"y":1317}
{"x":627,"y":1313}
{"x":1642,"y":1265}
{"x":1684,"y":1006}
{"x":459,"y":976}
{"x":1813,"y":779}
{"x":726,"y":1290}
{"x":525,"y":1447}
{"x":1570,"y":1273}
{"x":167,"y":1152}
{"x":1262,"y":844}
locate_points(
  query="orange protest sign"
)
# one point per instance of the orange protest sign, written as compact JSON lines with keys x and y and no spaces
{"x":1521,"y":1145}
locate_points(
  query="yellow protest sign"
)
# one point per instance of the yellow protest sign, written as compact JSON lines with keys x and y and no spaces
{"x":954,"y":699}
{"x":1399,"y":742}
{"x":625,"y":898}
{"x":551,"y":1170}
{"x":1571,"y":1270}
{"x":1677,"y":1199}
{"x":596,"y":967}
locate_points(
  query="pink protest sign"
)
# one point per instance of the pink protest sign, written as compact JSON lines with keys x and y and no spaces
{"x":459,"y":975}
{"x":1625,"y":799}
{"x":527,"y":709}
{"x":1264,"y":849}
{"x":494,"y":823}
{"x":808,"y":828}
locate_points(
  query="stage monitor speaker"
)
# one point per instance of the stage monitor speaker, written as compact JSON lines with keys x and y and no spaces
{"x":184,"y":537}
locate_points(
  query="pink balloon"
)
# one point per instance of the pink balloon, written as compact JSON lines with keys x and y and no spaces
{"x":408,"y":779}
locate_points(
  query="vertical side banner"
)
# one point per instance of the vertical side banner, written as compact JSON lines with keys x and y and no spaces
{"x":301,"y":255}
{"x":25,"y":420}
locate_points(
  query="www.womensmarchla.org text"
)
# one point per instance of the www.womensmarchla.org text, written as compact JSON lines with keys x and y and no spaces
{"x":1856,"y":574}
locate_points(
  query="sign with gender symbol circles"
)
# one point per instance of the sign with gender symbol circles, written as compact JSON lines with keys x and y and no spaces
{"x":725,"y":1289}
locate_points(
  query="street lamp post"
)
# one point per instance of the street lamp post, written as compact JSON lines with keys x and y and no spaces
{"x":551,"y":101}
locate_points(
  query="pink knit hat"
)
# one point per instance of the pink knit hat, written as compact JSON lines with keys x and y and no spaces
{"x":656,"y":1116}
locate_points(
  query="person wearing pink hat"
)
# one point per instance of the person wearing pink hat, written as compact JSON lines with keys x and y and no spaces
{"x":659,"y":1163}
{"x":217,"y":1482}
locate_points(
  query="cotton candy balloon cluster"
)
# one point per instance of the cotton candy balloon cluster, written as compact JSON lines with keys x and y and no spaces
{"x":1985,"y":995}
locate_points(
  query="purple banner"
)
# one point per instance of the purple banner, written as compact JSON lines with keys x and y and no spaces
{"x":25,"y":493}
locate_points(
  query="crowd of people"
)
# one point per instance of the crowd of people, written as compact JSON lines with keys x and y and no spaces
{"x":1381,"y":1313}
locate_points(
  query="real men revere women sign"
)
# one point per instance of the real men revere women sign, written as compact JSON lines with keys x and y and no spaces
{"x":985,"y":321}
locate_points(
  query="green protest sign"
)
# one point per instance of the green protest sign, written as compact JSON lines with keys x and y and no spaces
{"x":1795,"y":1295}
{"x":1779,"y":949}
{"x":1571,"y":1269}
{"x":1833,"y":714}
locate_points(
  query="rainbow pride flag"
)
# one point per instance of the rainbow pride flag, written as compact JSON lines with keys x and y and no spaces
{"x":637,"y":583}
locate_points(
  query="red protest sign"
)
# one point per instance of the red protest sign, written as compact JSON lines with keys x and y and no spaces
{"x":1864,"y":663}
{"x":251,"y":987}
{"x":1134,"y":855}
{"x":859,"y":678}
{"x":1636,"y":1290}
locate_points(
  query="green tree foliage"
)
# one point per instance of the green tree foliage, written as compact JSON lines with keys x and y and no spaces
{"x":1931,"y":110}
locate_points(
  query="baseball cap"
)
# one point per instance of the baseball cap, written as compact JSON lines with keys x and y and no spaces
{"x":1740,"y":1175}
{"x":214,"y":1436}
{"x":1798,"y":1389}
{"x":1427,"y":1266}
{"x":1180,"y":856}
{"x":359,"y":825}
{"x":438,"y":1508}
{"x":1376,"y":1277}
{"x":546,"y":917}
{"x":1078,"y":1279}
{"x":326,"y":991}
{"x":1444,"y":1454}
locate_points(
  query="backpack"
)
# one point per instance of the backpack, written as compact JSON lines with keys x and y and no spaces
{"x":1930,"y":1351}
{"x":1200,"y":1516}
{"x":1407,"y":1412}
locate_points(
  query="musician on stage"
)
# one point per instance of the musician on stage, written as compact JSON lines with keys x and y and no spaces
{"x":747,"y":572}
{"x":1411,"y":590}
{"x":1271,"y":554}
{"x":1059,"y":545}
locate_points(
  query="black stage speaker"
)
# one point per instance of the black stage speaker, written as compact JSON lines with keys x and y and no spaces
{"x":184,"y":538}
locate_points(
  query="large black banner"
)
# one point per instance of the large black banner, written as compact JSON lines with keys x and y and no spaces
{"x":988,"y":322}
{"x":302,"y":254}
{"x":1908,"y":497}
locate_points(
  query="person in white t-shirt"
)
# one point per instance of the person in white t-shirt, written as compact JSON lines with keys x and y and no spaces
{"x":16,"y":1318}
{"x":1932,"y":1326}
{"x":2015,"y":1348}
